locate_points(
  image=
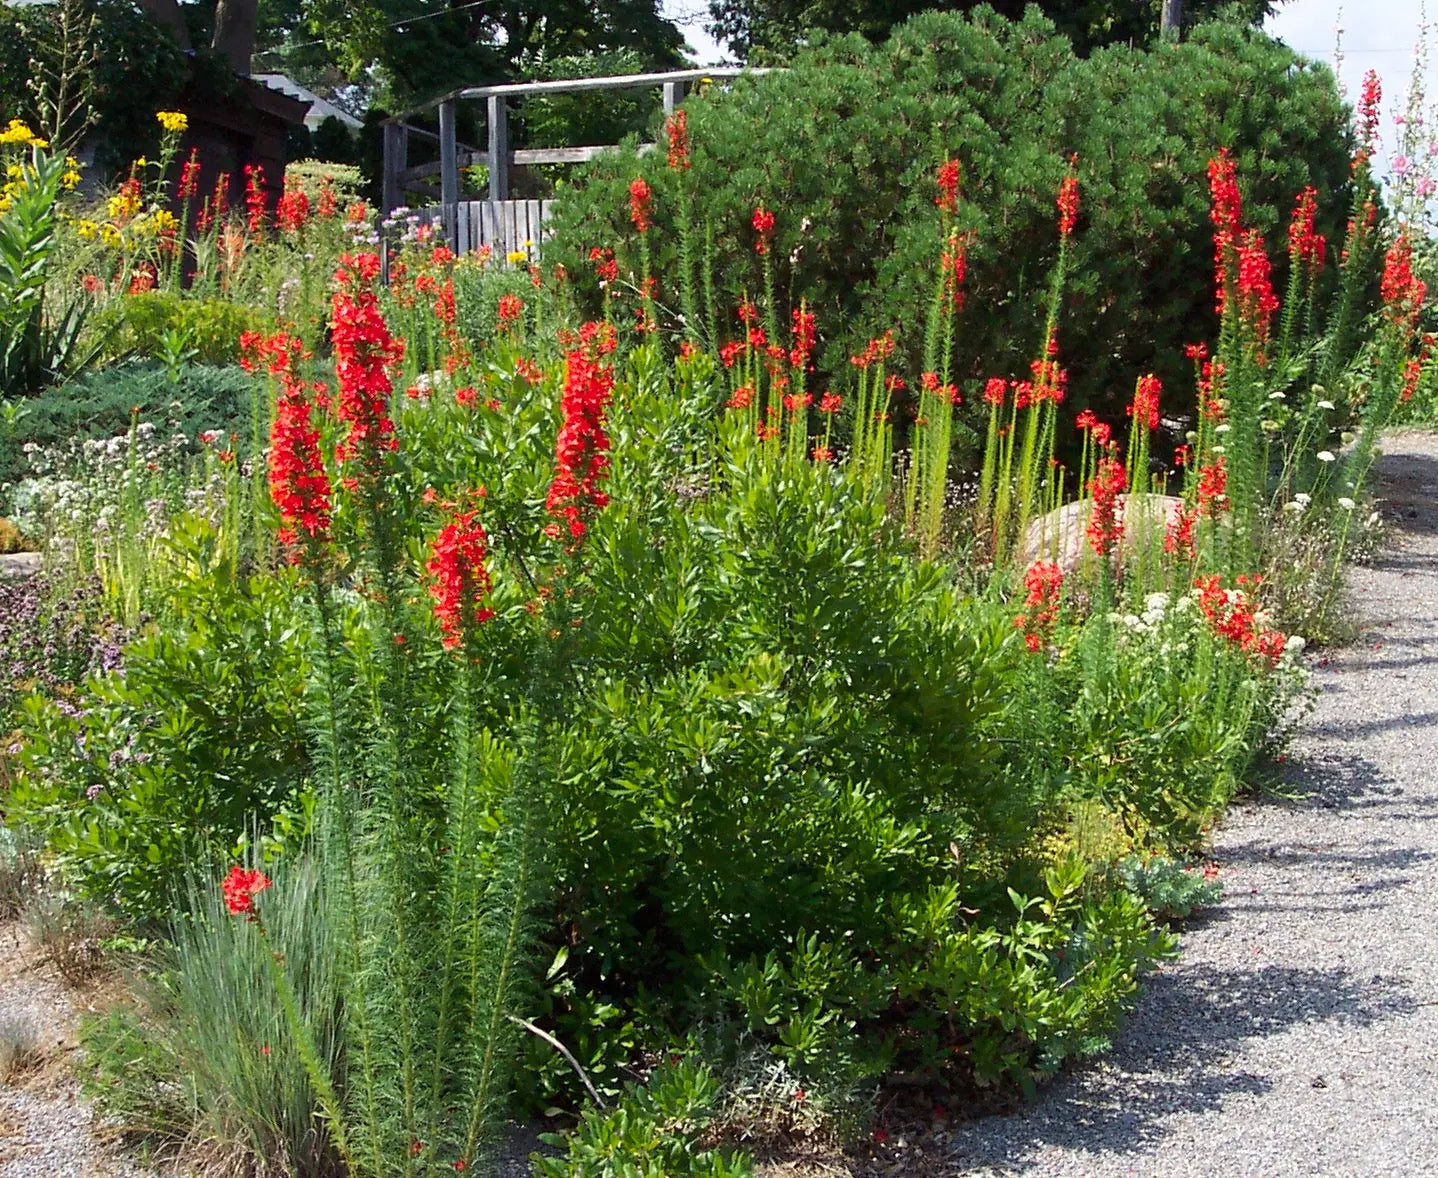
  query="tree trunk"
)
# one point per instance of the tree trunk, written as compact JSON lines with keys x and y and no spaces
{"x":167,"y":13}
{"x":235,"y":33}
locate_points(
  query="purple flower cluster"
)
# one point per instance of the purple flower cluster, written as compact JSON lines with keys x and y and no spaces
{"x":52,"y":636}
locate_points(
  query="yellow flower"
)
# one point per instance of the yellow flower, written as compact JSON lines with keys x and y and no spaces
{"x":173,"y":121}
{"x":164,"y":221}
{"x":17,"y":132}
{"x":111,"y":236}
{"x":514,"y":257}
{"x":70,"y":178}
{"x":86,"y":229}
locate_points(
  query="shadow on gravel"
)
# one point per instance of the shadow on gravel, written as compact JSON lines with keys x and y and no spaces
{"x":1408,"y":486}
{"x":1171,"y":1059}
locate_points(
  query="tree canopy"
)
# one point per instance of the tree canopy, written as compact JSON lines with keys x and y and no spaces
{"x":772,"y":29}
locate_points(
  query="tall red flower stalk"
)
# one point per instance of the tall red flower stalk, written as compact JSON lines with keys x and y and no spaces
{"x":255,"y":211}
{"x":1068,"y":201}
{"x":365,"y":353}
{"x":188,"y":186}
{"x":1226,"y":213}
{"x":581,"y":451}
{"x":641,"y":199}
{"x":1043,"y":583}
{"x":676,"y":131}
{"x":763,"y":222}
{"x":299,"y":485}
{"x":1105,"y":525}
{"x":293,"y":211}
{"x":1369,"y":104}
{"x":1306,"y":246}
{"x":1144,"y":409}
{"x":1256,"y":300}
{"x":947,"y":179}
{"x":460,"y":584}
{"x":1401,"y":292}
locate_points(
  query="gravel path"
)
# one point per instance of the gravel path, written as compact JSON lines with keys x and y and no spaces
{"x":1298,"y":1032}
{"x":46,"y":1130}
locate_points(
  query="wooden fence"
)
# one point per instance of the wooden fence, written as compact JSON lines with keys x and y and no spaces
{"x":499,"y":222}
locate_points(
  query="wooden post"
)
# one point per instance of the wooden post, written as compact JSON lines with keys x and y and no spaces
{"x":396,"y":159}
{"x":1171,"y":20}
{"x":673,"y":96}
{"x":448,"y":174}
{"x":498,"y":148}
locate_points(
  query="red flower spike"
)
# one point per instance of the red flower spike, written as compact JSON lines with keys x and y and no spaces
{"x":461,"y":582}
{"x":947,"y":179}
{"x":1068,"y":202}
{"x":641,"y":198}
{"x":1105,"y":527}
{"x":676,"y":131}
{"x":1144,"y":409}
{"x":255,"y":200}
{"x":581,"y":450}
{"x":763,"y":222}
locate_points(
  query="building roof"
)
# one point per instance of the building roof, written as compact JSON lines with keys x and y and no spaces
{"x":320,"y":109}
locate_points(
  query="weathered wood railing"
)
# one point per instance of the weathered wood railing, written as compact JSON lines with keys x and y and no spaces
{"x":503,"y":224}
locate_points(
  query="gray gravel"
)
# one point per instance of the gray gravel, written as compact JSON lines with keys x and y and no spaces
{"x":1298,"y":1032}
{"x":46,"y":1130}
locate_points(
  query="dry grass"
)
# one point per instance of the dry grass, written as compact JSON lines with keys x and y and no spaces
{"x":21,"y":1050}
{"x":70,"y":935}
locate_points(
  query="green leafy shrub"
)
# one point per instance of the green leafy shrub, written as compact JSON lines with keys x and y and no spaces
{"x":156,"y":322}
{"x":843,"y":145}
{"x":653,"y":1132}
{"x":143,"y":775}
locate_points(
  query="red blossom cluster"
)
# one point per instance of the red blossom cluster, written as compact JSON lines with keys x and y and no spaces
{"x":188,"y":186}
{"x":144,"y":277}
{"x":293,"y":211}
{"x":1413,"y":369}
{"x":830,"y":403}
{"x":329,"y":206}
{"x":1178,"y":536}
{"x":641,"y":200}
{"x":1100,"y":431}
{"x":995,"y":389}
{"x":1144,"y":409}
{"x":1306,"y":246}
{"x":1043,"y":583}
{"x":1233,"y":614}
{"x":1105,"y":523}
{"x":605,"y":265}
{"x":1401,"y":292}
{"x":365,"y":353}
{"x":805,"y":333}
{"x":1213,"y":487}
{"x":929,"y":383}
{"x":1256,"y":300}
{"x":581,"y":451}
{"x":1050,"y":382}
{"x":763,"y":222}
{"x":299,"y":484}
{"x":1226,"y":213}
{"x":461,"y":584}
{"x":255,"y":200}
{"x":676,"y":131}
{"x":876,"y":351}
{"x":947,"y":179}
{"x":511,"y":310}
{"x":1068,"y":202}
{"x":241,"y":887}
